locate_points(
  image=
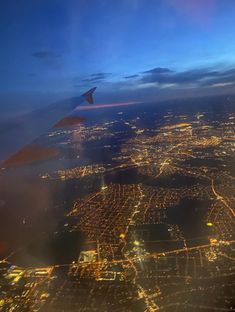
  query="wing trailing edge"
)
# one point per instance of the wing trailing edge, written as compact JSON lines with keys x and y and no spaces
{"x":69,"y":121}
{"x":30,"y":154}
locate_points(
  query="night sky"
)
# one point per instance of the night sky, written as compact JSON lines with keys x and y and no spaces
{"x":130,"y":49}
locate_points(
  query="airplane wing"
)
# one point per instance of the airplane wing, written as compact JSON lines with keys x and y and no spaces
{"x":16,"y":137}
{"x":88,"y":95}
{"x":71,"y":120}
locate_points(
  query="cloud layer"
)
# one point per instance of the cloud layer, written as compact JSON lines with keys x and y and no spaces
{"x":166,"y":83}
{"x":197,"y":77}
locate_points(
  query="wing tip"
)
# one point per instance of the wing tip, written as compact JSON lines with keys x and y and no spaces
{"x":89,"y":95}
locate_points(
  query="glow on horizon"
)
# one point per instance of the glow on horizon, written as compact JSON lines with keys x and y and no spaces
{"x":97,"y":106}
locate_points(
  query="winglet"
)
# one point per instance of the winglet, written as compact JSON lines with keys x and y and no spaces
{"x":88,"y":95}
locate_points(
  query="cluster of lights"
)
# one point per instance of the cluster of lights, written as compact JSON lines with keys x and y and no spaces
{"x":104,"y":188}
{"x":122,"y":236}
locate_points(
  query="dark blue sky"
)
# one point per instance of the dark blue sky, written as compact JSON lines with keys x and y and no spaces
{"x":128,"y":48}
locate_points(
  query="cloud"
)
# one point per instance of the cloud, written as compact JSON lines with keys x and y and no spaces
{"x":104,"y":75}
{"x":97,"y":77}
{"x":48,"y":58}
{"x":158,"y":70}
{"x":223,"y":78}
{"x":45,"y":55}
{"x":131,"y":76}
{"x":163,"y":82}
{"x":198,"y":77}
